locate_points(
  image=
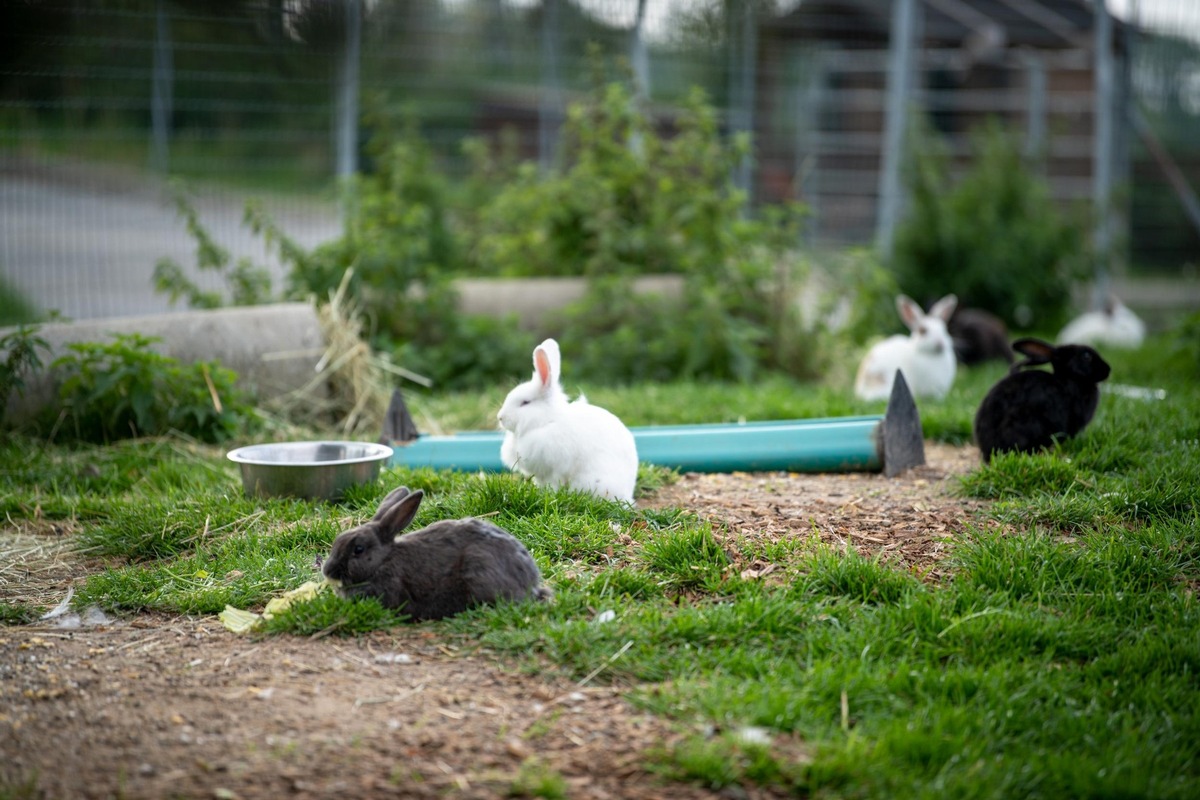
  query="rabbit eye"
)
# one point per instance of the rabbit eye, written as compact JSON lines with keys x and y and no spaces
{"x":525,"y":402}
{"x":922,"y":330}
{"x":358,"y":549}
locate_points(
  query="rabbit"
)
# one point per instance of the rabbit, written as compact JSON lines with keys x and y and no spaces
{"x":434,"y":572}
{"x":1115,"y":325}
{"x":978,"y":336}
{"x":926,"y":356}
{"x":559,"y":443}
{"x":1029,"y":409}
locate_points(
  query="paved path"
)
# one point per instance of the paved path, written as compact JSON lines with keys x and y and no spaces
{"x":83,"y":241}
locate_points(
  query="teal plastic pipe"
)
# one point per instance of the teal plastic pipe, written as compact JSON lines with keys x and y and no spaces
{"x":837,"y":444}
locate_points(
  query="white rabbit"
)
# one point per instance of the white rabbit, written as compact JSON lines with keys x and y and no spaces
{"x":1114,"y":325}
{"x":558,"y":443}
{"x":925,"y":356}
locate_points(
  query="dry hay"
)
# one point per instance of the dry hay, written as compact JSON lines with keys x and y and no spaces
{"x":38,"y":562}
{"x":352,"y":386}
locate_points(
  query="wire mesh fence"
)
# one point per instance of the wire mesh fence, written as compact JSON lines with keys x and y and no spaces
{"x":103,"y":101}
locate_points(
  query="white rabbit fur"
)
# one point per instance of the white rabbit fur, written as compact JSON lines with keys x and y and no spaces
{"x":559,"y":443}
{"x":925,"y":356}
{"x":1115,"y":325}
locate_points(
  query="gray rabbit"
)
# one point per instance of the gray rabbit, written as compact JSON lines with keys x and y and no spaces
{"x":434,"y":572}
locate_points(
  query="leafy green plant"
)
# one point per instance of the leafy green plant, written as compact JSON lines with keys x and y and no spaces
{"x":123,"y":388}
{"x":20,"y":349}
{"x":624,"y":201}
{"x":995,"y":237}
{"x":613,"y":211}
{"x":397,"y":238}
{"x":248,"y":284}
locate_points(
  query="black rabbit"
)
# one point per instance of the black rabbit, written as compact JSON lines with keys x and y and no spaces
{"x":434,"y":572}
{"x":1029,"y":409}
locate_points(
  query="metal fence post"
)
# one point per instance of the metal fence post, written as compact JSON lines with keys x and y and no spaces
{"x":743,"y":63}
{"x":639,"y":59}
{"x":1102,"y":145}
{"x":161,"y":91}
{"x":808,"y":145}
{"x":899,"y":89}
{"x":347,"y":93}
{"x":548,"y":101}
{"x":1035,"y":115}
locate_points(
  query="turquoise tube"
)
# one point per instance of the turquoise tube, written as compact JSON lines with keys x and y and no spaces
{"x":837,"y":444}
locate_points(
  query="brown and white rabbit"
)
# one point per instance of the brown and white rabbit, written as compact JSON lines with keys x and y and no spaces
{"x":1029,"y":409}
{"x":435,"y":572}
{"x":979,"y":336}
{"x":925,"y":356}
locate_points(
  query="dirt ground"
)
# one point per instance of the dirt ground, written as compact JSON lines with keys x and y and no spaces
{"x":158,"y":706}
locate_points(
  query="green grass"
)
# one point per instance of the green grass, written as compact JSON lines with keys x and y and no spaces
{"x":1058,"y":658}
{"x":696,"y":402}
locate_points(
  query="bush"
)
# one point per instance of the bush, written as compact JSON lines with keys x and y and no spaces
{"x":248,"y":283}
{"x":122,"y":389}
{"x":995,"y":238}
{"x":625,"y":201}
{"x":628,"y":201}
{"x":20,"y":358}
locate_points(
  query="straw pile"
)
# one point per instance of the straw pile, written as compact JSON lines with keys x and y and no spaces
{"x":352,"y":385}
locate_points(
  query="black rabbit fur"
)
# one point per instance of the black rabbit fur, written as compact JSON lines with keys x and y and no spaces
{"x":1029,"y":409}
{"x":435,"y":572}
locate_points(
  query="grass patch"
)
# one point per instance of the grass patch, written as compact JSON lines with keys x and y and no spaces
{"x":694,"y":402}
{"x":1057,"y":659}
{"x":18,"y":614}
{"x":328,"y":613}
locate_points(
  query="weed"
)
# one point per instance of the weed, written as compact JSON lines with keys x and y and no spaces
{"x":124,"y":388}
{"x":537,"y":779}
{"x":17,"y":614}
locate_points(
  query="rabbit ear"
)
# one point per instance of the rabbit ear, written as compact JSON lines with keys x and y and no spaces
{"x":395,"y":496}
{"x":944,"y":308}
{"x":395,"y":517}
{"x":909,"y":311}
{"x":546,"y":362}
{"x":1035,"y":351}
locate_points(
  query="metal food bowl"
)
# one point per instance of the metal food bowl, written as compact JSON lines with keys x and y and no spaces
{"x":308,"y":470}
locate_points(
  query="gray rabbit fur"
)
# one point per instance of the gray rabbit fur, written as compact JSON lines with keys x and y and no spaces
{"x":435,"y":572}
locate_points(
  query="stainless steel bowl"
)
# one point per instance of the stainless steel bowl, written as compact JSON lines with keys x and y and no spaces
{"x":310,"y":470}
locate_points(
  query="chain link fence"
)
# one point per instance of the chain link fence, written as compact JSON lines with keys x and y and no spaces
{"x":107,"y":105}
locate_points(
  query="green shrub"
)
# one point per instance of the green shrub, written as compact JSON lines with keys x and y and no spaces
{"x":995,"y":237}
{"x":615,"y":210}
{"x":625,"y":201}
{"x":123,"y":388}
{"x":397,"y":238}
{"x":20,"y":351}
{"x":248,"y":283}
